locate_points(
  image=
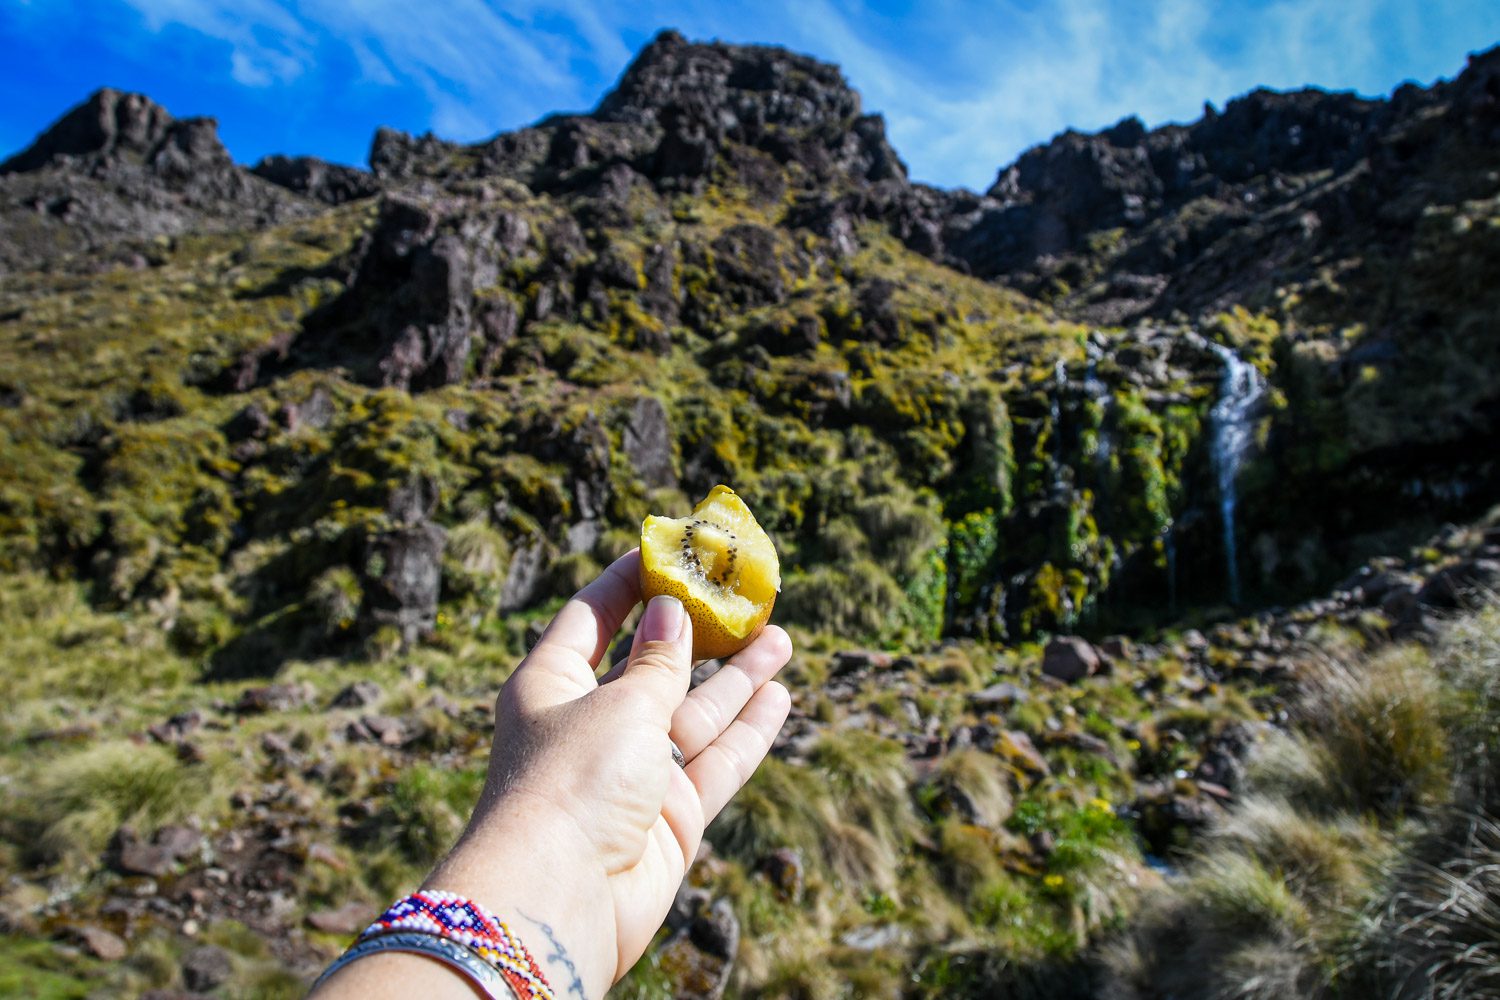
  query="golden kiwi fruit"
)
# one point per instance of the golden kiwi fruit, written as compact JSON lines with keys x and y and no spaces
{"x":720,"y":564}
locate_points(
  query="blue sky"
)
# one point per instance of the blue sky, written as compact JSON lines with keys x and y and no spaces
{"x":964,"y":86}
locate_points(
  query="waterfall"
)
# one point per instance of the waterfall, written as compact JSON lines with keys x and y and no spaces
{"x":1239,"y":391}
{"x":1095,"y":389}
{"x":1169,"y":548}
{"x":1060,"y":382}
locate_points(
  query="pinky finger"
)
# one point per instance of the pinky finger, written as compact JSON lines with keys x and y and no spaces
{"x":723,"y":767}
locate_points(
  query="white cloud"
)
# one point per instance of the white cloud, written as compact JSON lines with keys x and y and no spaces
{"x":246,"y":71}
{"x":267,"y":44}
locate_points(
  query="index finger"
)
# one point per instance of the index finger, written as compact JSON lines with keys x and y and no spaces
{"x":588,"y":622}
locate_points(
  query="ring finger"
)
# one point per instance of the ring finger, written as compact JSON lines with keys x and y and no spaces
{"x":709,"y":708}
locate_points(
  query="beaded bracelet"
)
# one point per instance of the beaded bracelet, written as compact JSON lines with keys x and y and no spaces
{"x":450,"y":917}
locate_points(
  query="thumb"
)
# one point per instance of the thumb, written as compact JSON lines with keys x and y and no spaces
{"x":661,"y":657}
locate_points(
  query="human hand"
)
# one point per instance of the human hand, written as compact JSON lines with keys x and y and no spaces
{"x":586,"y":826}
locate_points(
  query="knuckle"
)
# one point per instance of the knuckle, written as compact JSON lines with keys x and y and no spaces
{"x":710,"y":714}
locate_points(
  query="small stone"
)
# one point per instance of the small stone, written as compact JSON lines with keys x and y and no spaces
{"x":75,"y":733}
{"x":102,"y":944}
{"x":1069,"y":658}
{"x":177,"y":727}
{"x":854,"y":660}
{"x":178,"y":841}
{"x":325,"y":855}
{"x":360,"y":694}
{"x":351,"y":918}
{"x":1452,"y":587}
{"x":1016,"y":747}
{"x":716,"y":932}
{"x":783,"y":868}
{"x":205,"y":968}
{"x":997,"y":695}
{"x":276,"y":745}
{"x":442,"y":703}
{"x":872,"y":937}
{"x":385,"y":730}
{"x":273,"y":698}
{"x":135,"y":857}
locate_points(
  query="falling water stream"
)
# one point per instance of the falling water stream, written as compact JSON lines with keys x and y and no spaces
{"x":1098,"y":393}
{"x":1231,"y":418}
{"x":1060,"y":384}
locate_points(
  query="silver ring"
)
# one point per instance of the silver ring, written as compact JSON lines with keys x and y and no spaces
{"x":677,"y":755}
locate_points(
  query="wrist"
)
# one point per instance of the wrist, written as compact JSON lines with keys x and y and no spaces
{"x":526,"y":860}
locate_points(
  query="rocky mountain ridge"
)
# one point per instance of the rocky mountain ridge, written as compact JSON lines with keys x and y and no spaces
{"x":1295,"y":207}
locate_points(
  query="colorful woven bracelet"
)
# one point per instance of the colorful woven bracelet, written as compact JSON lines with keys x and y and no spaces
{"x":451,"y":916}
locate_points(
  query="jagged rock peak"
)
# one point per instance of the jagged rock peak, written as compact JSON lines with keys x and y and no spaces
{"x":757,"y":95}
{"x":111,"y":125}
{"x":766,"y":85}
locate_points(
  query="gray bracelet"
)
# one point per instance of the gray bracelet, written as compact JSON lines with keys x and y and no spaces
{"x":450,"y":953}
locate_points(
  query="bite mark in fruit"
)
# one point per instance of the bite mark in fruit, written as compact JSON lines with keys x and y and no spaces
{"x":720,"y":563}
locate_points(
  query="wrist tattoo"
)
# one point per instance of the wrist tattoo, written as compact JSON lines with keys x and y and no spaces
{"x":561,"y":957}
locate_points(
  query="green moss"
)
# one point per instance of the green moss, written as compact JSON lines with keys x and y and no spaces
{"x":859,"y":601}
{"x":1143,"y":482}
{"x":32,"y":968}
{"x":973,"y":541}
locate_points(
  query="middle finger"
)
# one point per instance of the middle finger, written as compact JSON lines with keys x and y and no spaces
{"x":713,"y":705}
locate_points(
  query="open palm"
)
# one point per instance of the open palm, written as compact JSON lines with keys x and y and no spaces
{"x":595,"y":752}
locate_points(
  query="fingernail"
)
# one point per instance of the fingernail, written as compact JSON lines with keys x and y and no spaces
{"x":662,"y":621}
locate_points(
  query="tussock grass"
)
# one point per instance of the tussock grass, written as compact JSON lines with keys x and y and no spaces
{"x":428,"y":806}
{"x":1364,"y":863}
{"x":58,"y":645}
{"x":1435,"y":932}
{"x":65,"y":809}
{"x":1382,"y":730}
{"x":1232,"y":929}
{"x":860,"y":601}
{"x":848,"y":812}
{"x":1332,"y":861}
{"x":973,"y":783}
